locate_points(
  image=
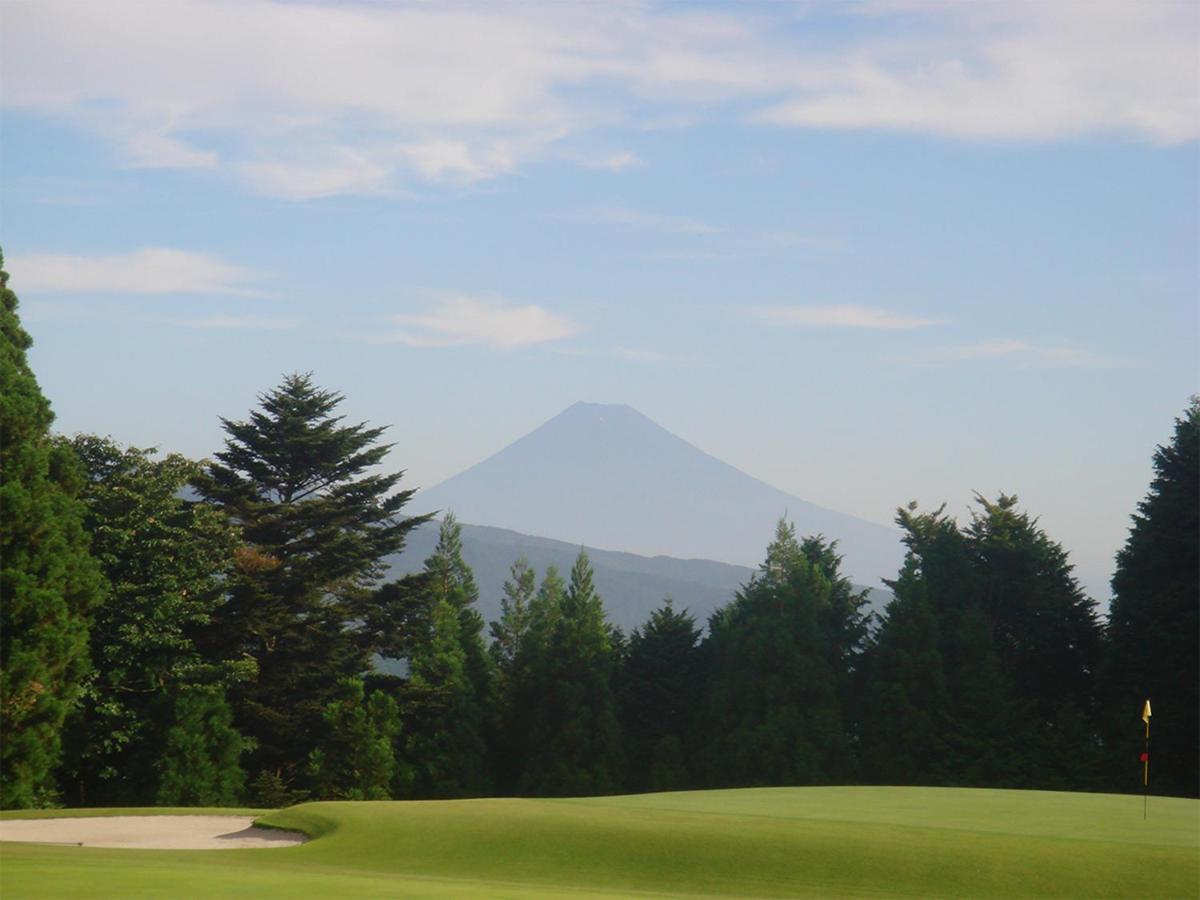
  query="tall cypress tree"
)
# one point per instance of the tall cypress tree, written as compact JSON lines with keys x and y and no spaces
{"x":1154,"y":624}
{"x":659,"y":692}
{"x":773,"y":706}
{"x":48,"y":581}
{"x":317,"y":528}
{"x":574,"y":738}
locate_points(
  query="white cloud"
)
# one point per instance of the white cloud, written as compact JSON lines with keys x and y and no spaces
{"x":459,"y":319}
{"x":994,"y":69}
{"x":841,"y":317}
{"x":636,"y":218}
{"x":150,"y":270}
{"x":311,"y":99}
{"x":613,"y":162}
{"x":1024,"y":353}
{"x":159,"y":151}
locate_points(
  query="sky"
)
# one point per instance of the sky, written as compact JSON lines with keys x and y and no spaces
{"x":868,"y":252}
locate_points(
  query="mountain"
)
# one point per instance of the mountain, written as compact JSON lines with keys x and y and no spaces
{"x":630,"y":585}
{"x":607,"y":476}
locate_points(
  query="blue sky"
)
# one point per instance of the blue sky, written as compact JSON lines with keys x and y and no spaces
{"x":868,"y":252}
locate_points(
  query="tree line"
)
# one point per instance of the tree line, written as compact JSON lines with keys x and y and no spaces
{"x":206,"y":633}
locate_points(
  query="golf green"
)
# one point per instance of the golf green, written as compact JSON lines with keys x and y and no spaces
{"x":769,"y":842}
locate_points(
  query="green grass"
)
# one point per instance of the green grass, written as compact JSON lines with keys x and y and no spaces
{"x":783,"y":842}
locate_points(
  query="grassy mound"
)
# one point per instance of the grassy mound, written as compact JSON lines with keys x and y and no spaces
{"x":827,"y":842}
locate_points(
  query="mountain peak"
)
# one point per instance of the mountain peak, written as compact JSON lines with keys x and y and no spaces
{"x":605,"y":475}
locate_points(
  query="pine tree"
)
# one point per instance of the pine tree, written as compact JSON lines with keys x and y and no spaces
{"x":449,"y":689}
{"x":521,"y":678}
{"x":200,"y":758}
{"x":1154,"y":624}
{"x":445,"y":746}
{"x":316,"y":530}
{"x":1047,"y":636}
{"x":48,"y":582}
{"x":660,"y":690}
{"x":165,"y":560}
{"x":773,"y":705}
{"x":574,"y":738}
{"x":356,"y":759}
{"x":509,"y":631}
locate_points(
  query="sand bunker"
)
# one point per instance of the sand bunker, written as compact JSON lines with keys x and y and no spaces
{"x":150,"y":832}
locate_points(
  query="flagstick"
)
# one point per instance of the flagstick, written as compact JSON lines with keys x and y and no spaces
{"x":1146,"y":774}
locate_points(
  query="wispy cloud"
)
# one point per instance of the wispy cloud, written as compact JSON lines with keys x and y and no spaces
{"x":239,"y":323}
{"x":1025,"y":353}
{"x":841,"y":317}
{"x":458,"y":319}
{"x":150,"y":270}
{"x":362,"y":97}
{"x":637,"y":218}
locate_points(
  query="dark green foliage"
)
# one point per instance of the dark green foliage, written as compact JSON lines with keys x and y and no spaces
{"x":778,"y":656}
{"x":449,"y":690}
{"x":316,"y":527}
{"x":532,"y":616}
{"x":268,"y":790}
{"x":48,"y":582}
{"x":357,"y":756}
{"x":200,"y":758}
{"x":659,"y":692}
{"x":983,"y":670}
{"x":1154,"y":624}
{"x":165,"y":560}
{"x":574,"y":739}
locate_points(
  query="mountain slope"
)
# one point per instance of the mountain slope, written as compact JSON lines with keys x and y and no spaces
{"x":607,"y":476}
{"x":630,"y":585}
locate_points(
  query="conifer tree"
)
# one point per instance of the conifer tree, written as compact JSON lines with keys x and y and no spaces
{"x":1154,"y":624}
{"x":316,"y":529}
{"x":200,"y":762}
{"x":521,"y":679}
{"x":574,"y":738}
{"x":450,"y":684}
{"x":356,"y":759}
{"x":773,"y":706}
{"x":509,"y":631}
{"x":660,"y":690}
{"x":48,"y":581}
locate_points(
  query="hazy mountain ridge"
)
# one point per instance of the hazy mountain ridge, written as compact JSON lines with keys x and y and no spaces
{"x":607,"y":476}
{"x":630,"y":585}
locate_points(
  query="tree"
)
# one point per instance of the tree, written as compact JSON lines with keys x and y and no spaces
{"x":49,"y":583}
{"x":316,"y":530}
{"x":357,"y":757}
{"x":660,"y":690}
{"x":521,"y":678}
{"x":773,"y":706}
{"x":200,"y":763}
{"x":166,"y":560}
{"x":1154,"y":624}
{"x":574,"y":740}
{"x":509,"y":631}
{"x":1046,"y":634}
{"x":982,"y":671}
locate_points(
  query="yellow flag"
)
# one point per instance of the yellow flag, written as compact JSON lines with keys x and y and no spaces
{"x":1146,"y":713}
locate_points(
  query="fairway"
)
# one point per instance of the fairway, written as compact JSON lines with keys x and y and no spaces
{"x":770,"y":842}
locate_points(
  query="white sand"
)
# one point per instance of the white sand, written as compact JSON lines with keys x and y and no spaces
{"x":150,"y":832}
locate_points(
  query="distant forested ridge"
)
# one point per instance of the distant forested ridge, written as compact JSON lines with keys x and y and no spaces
{"x":183,"y":632}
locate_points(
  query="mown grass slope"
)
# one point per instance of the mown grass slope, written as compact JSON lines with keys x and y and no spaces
{"x":827,"y":842}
